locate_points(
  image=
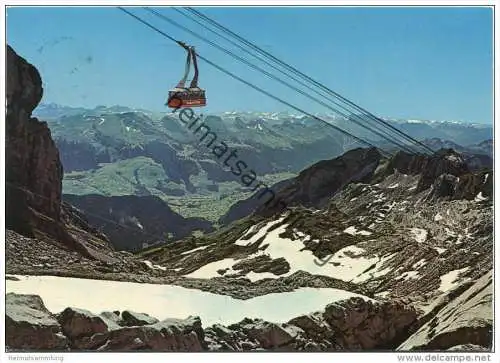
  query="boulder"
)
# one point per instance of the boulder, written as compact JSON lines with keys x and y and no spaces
{"x":466,"y":319}
{"x":77,"y":323}
{"x":270,"y":335}
{"x":29,"y":325}
{"x":168,"y":335}
{"x":130,"y":318}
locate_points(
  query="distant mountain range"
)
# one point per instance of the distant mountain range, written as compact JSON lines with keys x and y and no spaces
{"x":121,"y":151}
{"x":362,"y":252}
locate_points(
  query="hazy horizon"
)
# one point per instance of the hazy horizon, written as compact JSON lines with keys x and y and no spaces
{"x":405,"y":62}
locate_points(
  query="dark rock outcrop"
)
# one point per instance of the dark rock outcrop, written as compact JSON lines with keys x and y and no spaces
{"x":146,"y":219}
{"x":131,"y":318}
{"x":78,"y":323}
{"x":347,"y":325}
{"x":469,"y":186}
{"x":34,"y":171}
{"x":447,"y":173}
{"x":445,"y":161}
{"x":351,"y":324}
{"x":313,"y":187}
{"x":29,"y":325}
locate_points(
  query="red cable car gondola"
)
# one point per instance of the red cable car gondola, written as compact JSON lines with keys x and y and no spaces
{"x":194,"y":96}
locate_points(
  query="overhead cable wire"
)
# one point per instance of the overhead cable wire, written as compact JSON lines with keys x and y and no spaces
{"x":313,"y":89}
{"x":253,"y":66}
{"x":304,"y":76}
{"x":253,"y":86}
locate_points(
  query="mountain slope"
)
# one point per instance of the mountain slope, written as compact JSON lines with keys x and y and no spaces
{"x":132,"y":222}
{"x":418,"y":228}
{"x":370,"y":253}
{"x":34,"y":172}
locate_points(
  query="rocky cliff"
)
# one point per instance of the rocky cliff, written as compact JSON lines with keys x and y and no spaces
{"x":313,"y":187}
{"x":34,"y":172}
{"x":449,"y":174}
{"x":348,"y":325}
{"x":129,"y":220}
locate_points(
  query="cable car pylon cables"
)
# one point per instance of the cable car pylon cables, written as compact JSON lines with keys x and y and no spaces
{"x":306,"y":77}
{"x":352,"y":117}
{"x":364,"y":142}
{"x":256,"y":87}
{"x":309,"y":85}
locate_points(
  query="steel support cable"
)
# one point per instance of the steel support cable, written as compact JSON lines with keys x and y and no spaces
{"x":306,"y":77}
{"x":284,"y":73}
{"x":256,"y":87}
{"x":245,"y":61}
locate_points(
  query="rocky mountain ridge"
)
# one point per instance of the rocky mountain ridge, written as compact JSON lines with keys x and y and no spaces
{"x":131,"y":222}
{"x":34,"y":177}
{"x":354,"y":324}
{"x":400,"y":249}
{"x":151,"y":153}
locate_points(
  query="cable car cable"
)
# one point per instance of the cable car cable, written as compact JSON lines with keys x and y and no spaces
{"x":304,"y":76}
{"x":388,"y":135}
{"x":243,"y":60}
{"x":255,"y":87}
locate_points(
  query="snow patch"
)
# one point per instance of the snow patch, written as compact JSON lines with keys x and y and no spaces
{"x":382,"y":294}
{"x":453,"y":158}
{"x":449,"y":280}
{"x":256,"y":276}
{"x":194,"y":250}
{"x":345,"y":264}
{"x":261,"y":233}
{"x":480,"y":197}
{"x":418,"y":264}
{"x":438,"y":217}
{"x":376,"y":271}
{"x":353,"y":231}
{"x":168,"y":301}
{"x":440,"y":250}
{"x":210,"y":270}
{"x":393,"y":186}
{"x":154,"y":267}
{"x":419,"y":234}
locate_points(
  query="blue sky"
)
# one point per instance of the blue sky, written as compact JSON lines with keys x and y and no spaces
{"x":428,"y":63}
